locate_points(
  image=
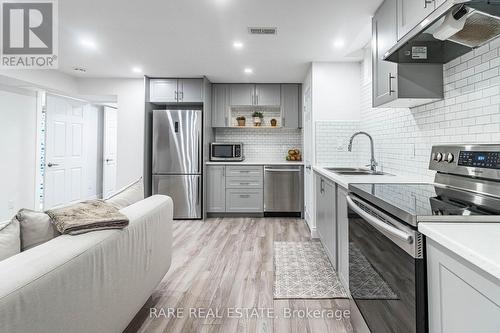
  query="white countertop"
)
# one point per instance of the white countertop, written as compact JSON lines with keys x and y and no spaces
{"x":345,"y":180}
{"x":257,"y":162}
{"x":478,"y":243}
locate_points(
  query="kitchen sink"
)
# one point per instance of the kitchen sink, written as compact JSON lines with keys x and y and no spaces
{"x":356,"y":172}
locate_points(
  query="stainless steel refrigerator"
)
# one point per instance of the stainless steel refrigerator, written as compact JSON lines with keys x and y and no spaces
{"x":177,"y":159}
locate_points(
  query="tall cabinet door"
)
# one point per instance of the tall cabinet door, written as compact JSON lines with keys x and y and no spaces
{"x":220,"y":105}
{"x":163,"y":90}
{"x":268,"y":94}
{"x":412,"y":12}
{"x":290,"y":106}
{"x":191,"y":90}
{"x":342,"y":236}
{"x":242,"y":94}
{"x":384,"y":36}
{"x":216,"y":188}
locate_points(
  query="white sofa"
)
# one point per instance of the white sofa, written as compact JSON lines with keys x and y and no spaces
{"x":94,"y":282}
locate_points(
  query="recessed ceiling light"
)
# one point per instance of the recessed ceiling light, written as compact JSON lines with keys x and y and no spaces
{"x":248,"y":71}
{"x":238,"y":45}
{"x":136,"y":69}
{"x":338,"y":43}
{"x":88,"y":43}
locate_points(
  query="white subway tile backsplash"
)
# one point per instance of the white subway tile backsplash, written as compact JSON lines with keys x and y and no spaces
{"x":263,"y":144}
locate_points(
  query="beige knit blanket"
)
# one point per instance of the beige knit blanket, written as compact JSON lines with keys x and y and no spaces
{"x":91,"y":215}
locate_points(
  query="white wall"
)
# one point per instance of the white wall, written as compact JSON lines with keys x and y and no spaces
{"x":336,"y":90}
{"x":130,"y":99}
{"x":17,"y":150}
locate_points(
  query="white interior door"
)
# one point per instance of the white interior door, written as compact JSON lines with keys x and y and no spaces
{"x":109,"y":153}
{"x":308,"y":157}
{"x":65,"y":152}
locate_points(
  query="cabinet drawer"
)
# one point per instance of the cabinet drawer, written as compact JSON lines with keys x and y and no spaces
{"x":244,"y":201}
{"x":244,"y":182}
{"x":245,"y":171}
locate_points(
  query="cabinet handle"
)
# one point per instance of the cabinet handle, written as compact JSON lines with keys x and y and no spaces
{"x":321,"y":189}
{"x":244,"y":183}
{"x":257,"y":98}
{"x":182,"y":95}
{"x":176,"y":95}
{"x":390,"y":83}
{"x":244,"y":195}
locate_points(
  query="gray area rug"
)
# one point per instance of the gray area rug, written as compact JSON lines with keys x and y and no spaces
{"x":302,"y":270}
{"x":367,"y":282}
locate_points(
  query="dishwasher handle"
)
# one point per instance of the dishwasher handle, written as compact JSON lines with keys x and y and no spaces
{"x":281,"y":170}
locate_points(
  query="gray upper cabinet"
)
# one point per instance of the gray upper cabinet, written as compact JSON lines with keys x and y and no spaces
{"x":220,"y":105}
{"x":411,"y":13}
{"x":216,"y":188}
{"x":242,"y":94}
{"x":383,"y":37}
{"x":291,"y":115}
{"x":399,"y":85}
{"x":163,"y":90}
{"x":267,"y":95}
{"x":176,"y":90}
{"x":190,"y":90}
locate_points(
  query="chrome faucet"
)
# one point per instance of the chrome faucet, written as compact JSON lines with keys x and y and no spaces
{"x":373,"y":164}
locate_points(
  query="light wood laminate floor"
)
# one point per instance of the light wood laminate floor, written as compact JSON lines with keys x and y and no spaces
{"x":226,"y":265}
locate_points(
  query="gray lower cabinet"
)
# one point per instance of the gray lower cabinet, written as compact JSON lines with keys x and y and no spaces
{"x":399,"y":85}
{"x":220,"y":105}
{"x":235,"y":189}
{"x":342,"y":236}
{"x":326,"y":224}
{"x":462,"y":298}
{"x":216,"y":188}
{"x":291,"y":115}
{"x":244,"y":200}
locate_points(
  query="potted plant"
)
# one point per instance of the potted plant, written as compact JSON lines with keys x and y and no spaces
{"x":240,"y":120}
{"x":257,"y":118}
{"x":274,"y":122}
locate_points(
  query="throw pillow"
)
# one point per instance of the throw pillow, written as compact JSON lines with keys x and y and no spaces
{"x":128,"y":195}
{"x":36,"y":228}
{"x":10,"y":238}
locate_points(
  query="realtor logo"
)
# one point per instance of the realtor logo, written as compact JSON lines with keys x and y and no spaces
{"x":29,"y":34}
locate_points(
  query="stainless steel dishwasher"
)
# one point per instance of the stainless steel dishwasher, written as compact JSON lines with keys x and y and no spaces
{"x":283,"y":190}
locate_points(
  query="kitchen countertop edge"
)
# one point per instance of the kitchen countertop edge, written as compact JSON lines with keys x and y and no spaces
{"x":468,"y":241}
{"x":250,"y":162}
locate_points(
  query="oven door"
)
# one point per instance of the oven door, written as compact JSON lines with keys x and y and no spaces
{"x":386,"y":270}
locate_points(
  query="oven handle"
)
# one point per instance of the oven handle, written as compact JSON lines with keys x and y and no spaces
{"x":376,"y":222}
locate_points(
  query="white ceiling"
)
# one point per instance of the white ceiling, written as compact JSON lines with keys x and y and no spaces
{"x":195,"y":37}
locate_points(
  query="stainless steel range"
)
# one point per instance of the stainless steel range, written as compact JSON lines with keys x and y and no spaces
{"x":387,"y":269}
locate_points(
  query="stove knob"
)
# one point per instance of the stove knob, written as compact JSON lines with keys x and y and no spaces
{"x":449,"y":158}
{"x":438,"y":157}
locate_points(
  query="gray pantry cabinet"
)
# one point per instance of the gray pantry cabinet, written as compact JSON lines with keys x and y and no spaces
{"x":176,"y":90}
{"x":399,"y":85}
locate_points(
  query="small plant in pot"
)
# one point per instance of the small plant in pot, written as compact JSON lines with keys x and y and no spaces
{"x":241,"y":120}
{"x":257,"y":118}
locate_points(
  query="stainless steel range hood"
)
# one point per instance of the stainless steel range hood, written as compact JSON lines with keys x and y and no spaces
{"x":453,"y":29}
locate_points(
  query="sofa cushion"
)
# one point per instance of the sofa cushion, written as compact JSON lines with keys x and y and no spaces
{"x":128,"y":195}
{"x":36,"y":228}
{"x":10,"y":238}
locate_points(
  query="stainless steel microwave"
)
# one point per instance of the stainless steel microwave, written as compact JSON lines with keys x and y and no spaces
{"x":226,"y":151}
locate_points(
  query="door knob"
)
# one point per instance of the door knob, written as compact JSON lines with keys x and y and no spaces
{"x":50,"y":165}
{"x":109,"y":160}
